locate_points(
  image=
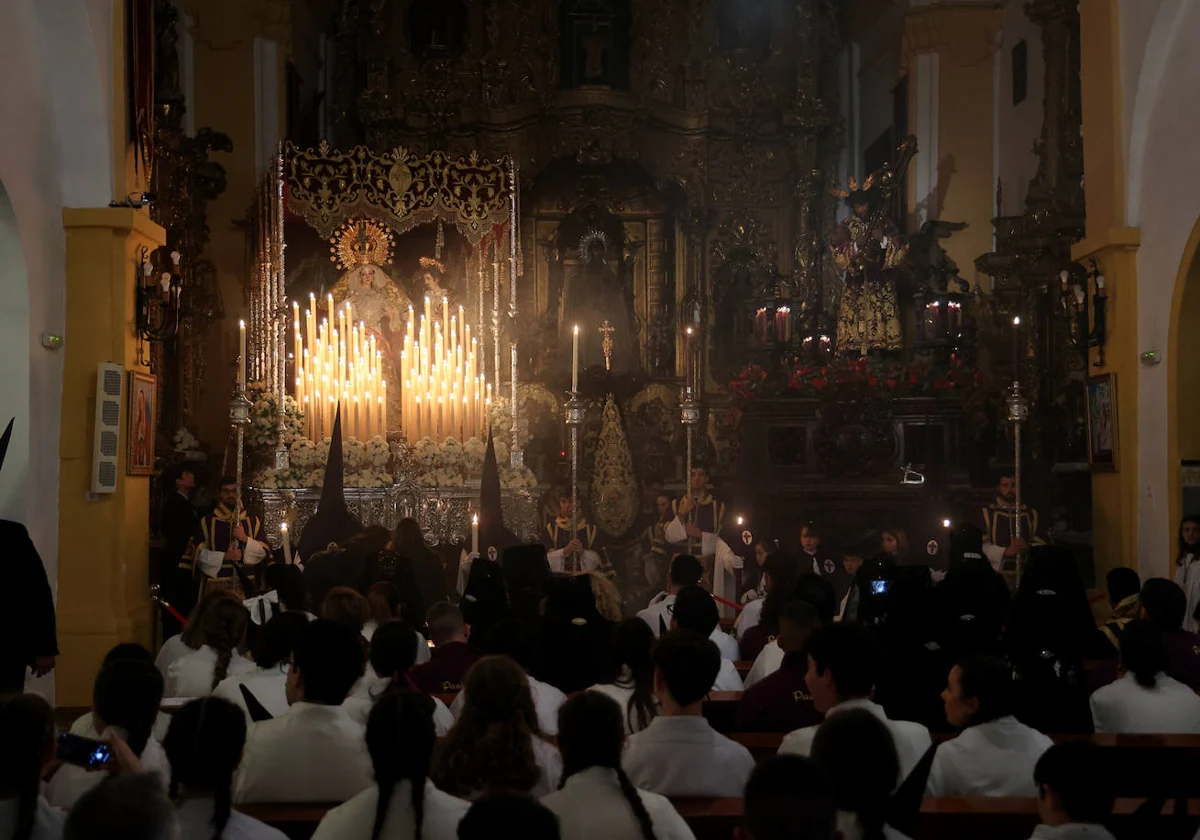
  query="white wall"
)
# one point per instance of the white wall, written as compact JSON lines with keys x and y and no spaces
{"x":1018,"y":126}
{"x":1160,"y":68}
{"x":55,"y":151}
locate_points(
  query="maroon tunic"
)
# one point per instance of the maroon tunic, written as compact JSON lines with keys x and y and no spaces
{"x":780,"y":702}
{"x":446,"y":669}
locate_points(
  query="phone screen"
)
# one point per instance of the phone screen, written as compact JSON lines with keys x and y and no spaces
{"x":879,"y":587}
{"x":83,"y":752}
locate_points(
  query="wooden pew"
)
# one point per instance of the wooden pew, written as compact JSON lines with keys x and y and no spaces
{"x":743,"y":667}
{"x":297,"y":820}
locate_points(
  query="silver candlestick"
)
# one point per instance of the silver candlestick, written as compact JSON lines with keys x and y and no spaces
{"x":574,"y":417}
{"x":239,"y":418}
{"x":689,"y":415}
{"x":1018,"y":413}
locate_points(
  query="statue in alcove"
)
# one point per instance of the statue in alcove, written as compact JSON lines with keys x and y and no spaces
{"x":437,"y":27}
{"x":594,"y":299}
{"x":744,"y":26}
{"x":595,"y":44}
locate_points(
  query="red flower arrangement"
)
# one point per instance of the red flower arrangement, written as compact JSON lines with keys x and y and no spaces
{"x":856,"y":376}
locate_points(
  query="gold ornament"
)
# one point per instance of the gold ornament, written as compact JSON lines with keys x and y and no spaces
{"x":361,"y":242}
{"x":614,"y":485}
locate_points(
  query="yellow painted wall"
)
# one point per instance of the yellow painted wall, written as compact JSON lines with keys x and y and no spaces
{"x":1183,"y":376}
{"x":965,"y":40}
{"x":104,"y":543}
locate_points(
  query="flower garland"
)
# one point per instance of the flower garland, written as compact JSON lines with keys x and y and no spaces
{"x":366,"y":463}
{"x":452,"y":463}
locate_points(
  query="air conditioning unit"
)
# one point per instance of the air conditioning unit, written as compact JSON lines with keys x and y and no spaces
{"x":106,"y":445}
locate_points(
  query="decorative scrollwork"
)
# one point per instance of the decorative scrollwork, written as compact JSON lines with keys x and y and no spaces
{"x":327,"y":187}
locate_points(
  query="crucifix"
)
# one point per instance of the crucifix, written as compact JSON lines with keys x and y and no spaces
{"x":606,"y":331}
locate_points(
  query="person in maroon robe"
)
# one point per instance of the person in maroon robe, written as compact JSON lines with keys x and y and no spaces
{"x":781,"y":702}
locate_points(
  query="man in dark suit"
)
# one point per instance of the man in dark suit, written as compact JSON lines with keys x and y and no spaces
{"x":27,"y":623}
{"x":179,"y":524}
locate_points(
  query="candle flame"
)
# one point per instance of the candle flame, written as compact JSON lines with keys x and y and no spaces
{"x":576,"y":329}
{"x":241,"y":324}
{"x":475,"y":519}
{"x":689,"y":330}
{"x":283,"y":527}
{"x":1017,"y":321}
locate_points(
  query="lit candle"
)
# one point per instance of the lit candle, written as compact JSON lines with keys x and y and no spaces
{"x":1016,"y":349}
{"x":287,"y":543}
{"x":689,"y":372}
{"x":242,"y":354}
{"x":475,"y":533}
{"x":574,"y":361}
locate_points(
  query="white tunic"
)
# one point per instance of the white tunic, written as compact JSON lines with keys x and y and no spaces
{"x":728,"y":679}
{"x":192,"y":675}
{"x":547,"y":700}
{"x":911,"y":739}
{"x":85,"y":726}
{"x":313,"y":753}
{"x":591,"y":806}
{"x":658,"y":614}
{"x":195,"y":823}
{"x":371,"y":687}
{"x":726,"y":644}
{"x":992,"y":759}
{"x":622,"y":691}
{"x":768,"y":661}
{"x":355,"y":819}
{"x":1170,"y":708}
{"x":172,"y":650}
{"x":725,"y":562}
{"x":48,"y":821}
{"x":684,"y":756}
{"x":751,"y":617}
{"x":423,"y":655}
{"x":71,"y":782}
{"x":268,"y":685}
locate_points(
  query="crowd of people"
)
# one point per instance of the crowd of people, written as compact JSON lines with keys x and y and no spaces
{"x":534,"y":704}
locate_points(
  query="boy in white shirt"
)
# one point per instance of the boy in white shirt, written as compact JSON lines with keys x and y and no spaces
{"x":1074,"y":797}
{"x":314,"y":752}
{"x":843,"y":661}
{"x":679,"y":753}
{"x":685,"y":571}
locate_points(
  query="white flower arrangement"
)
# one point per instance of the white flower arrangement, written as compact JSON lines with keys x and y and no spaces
{"x":452,"y":463}
{"x":365,"y":465}
{"x":185,"y":441}
{"x":263,"y":431}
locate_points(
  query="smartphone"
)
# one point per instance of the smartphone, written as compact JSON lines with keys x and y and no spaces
{"x":83,"y":752}
{"x":879,"y":587}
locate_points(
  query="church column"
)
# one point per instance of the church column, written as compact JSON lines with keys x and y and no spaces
{"x":104,"y":540}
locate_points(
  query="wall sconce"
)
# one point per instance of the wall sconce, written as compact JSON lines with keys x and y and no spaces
{"x":1086,"y":315}
{"x":158,"y":300}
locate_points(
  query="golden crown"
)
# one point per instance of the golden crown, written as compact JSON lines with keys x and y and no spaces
{"x":361,"y":242}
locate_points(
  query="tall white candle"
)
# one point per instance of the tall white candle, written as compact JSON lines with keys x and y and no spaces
{"x":475,"y":534}
{"x":287,"y":543}
{"x":575,"y":359}
{"x":242,"y":354}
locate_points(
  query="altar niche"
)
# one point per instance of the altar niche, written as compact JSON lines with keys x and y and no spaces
{"x":605,"y":259}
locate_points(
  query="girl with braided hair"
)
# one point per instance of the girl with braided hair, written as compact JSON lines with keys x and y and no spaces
{"x":27,"y":732}
{"x":224,"y":634}
{"x":630,"y":677}
{"x":125,"y":701}
{"x":402,"y":804}
{"x":204,"y":745}
{"x":596,"y":800}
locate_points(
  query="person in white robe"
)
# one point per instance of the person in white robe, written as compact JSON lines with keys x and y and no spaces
{"x":843,"y":662}
{"x":768,"y":661}
{"x":1144,"y":699}
{"x":27,"y":732}
{"x":204,"y":745}
{"x":224,"y":634}
{"x":497,"y":711}
{"x":125,"y":703}
{"x":1187,"y":569}
{"x":314,"y":752}
{"x":995,"y":753}
{"x":1074,"y":796}
{"x":695,"y":610}
{"x":632,"y":683}
{"x":179,"y":646}
{"x":685,"y":571}
{"x":267,"y":684}
{"x":400,"y":739}
{"x":858,"y":753}
{"x":726,"y":563}
{"x":597,"y":801}
{"x":679,"y":754}
{"x":547,"y":700}
{"x":391,"y":657}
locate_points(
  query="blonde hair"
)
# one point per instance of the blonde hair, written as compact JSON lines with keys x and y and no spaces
{"x":608,"y":599}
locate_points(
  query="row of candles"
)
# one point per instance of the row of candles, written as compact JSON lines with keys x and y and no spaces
{"x":337,"y":362}
{"x":445,"y":394}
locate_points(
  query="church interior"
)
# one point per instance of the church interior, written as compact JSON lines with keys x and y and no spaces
{"x":851,"y":263}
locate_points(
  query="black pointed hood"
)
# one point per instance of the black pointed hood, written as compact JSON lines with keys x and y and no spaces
{"x":491,"y":512}
{"x":333,"y":522}
{"x":4,"y":439}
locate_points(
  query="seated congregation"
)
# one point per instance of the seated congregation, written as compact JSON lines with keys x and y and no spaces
{"x":533,"y":708}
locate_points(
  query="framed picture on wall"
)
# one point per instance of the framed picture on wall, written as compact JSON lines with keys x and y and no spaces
{"x":1102,"y":422}
{"x":139,"y":449}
